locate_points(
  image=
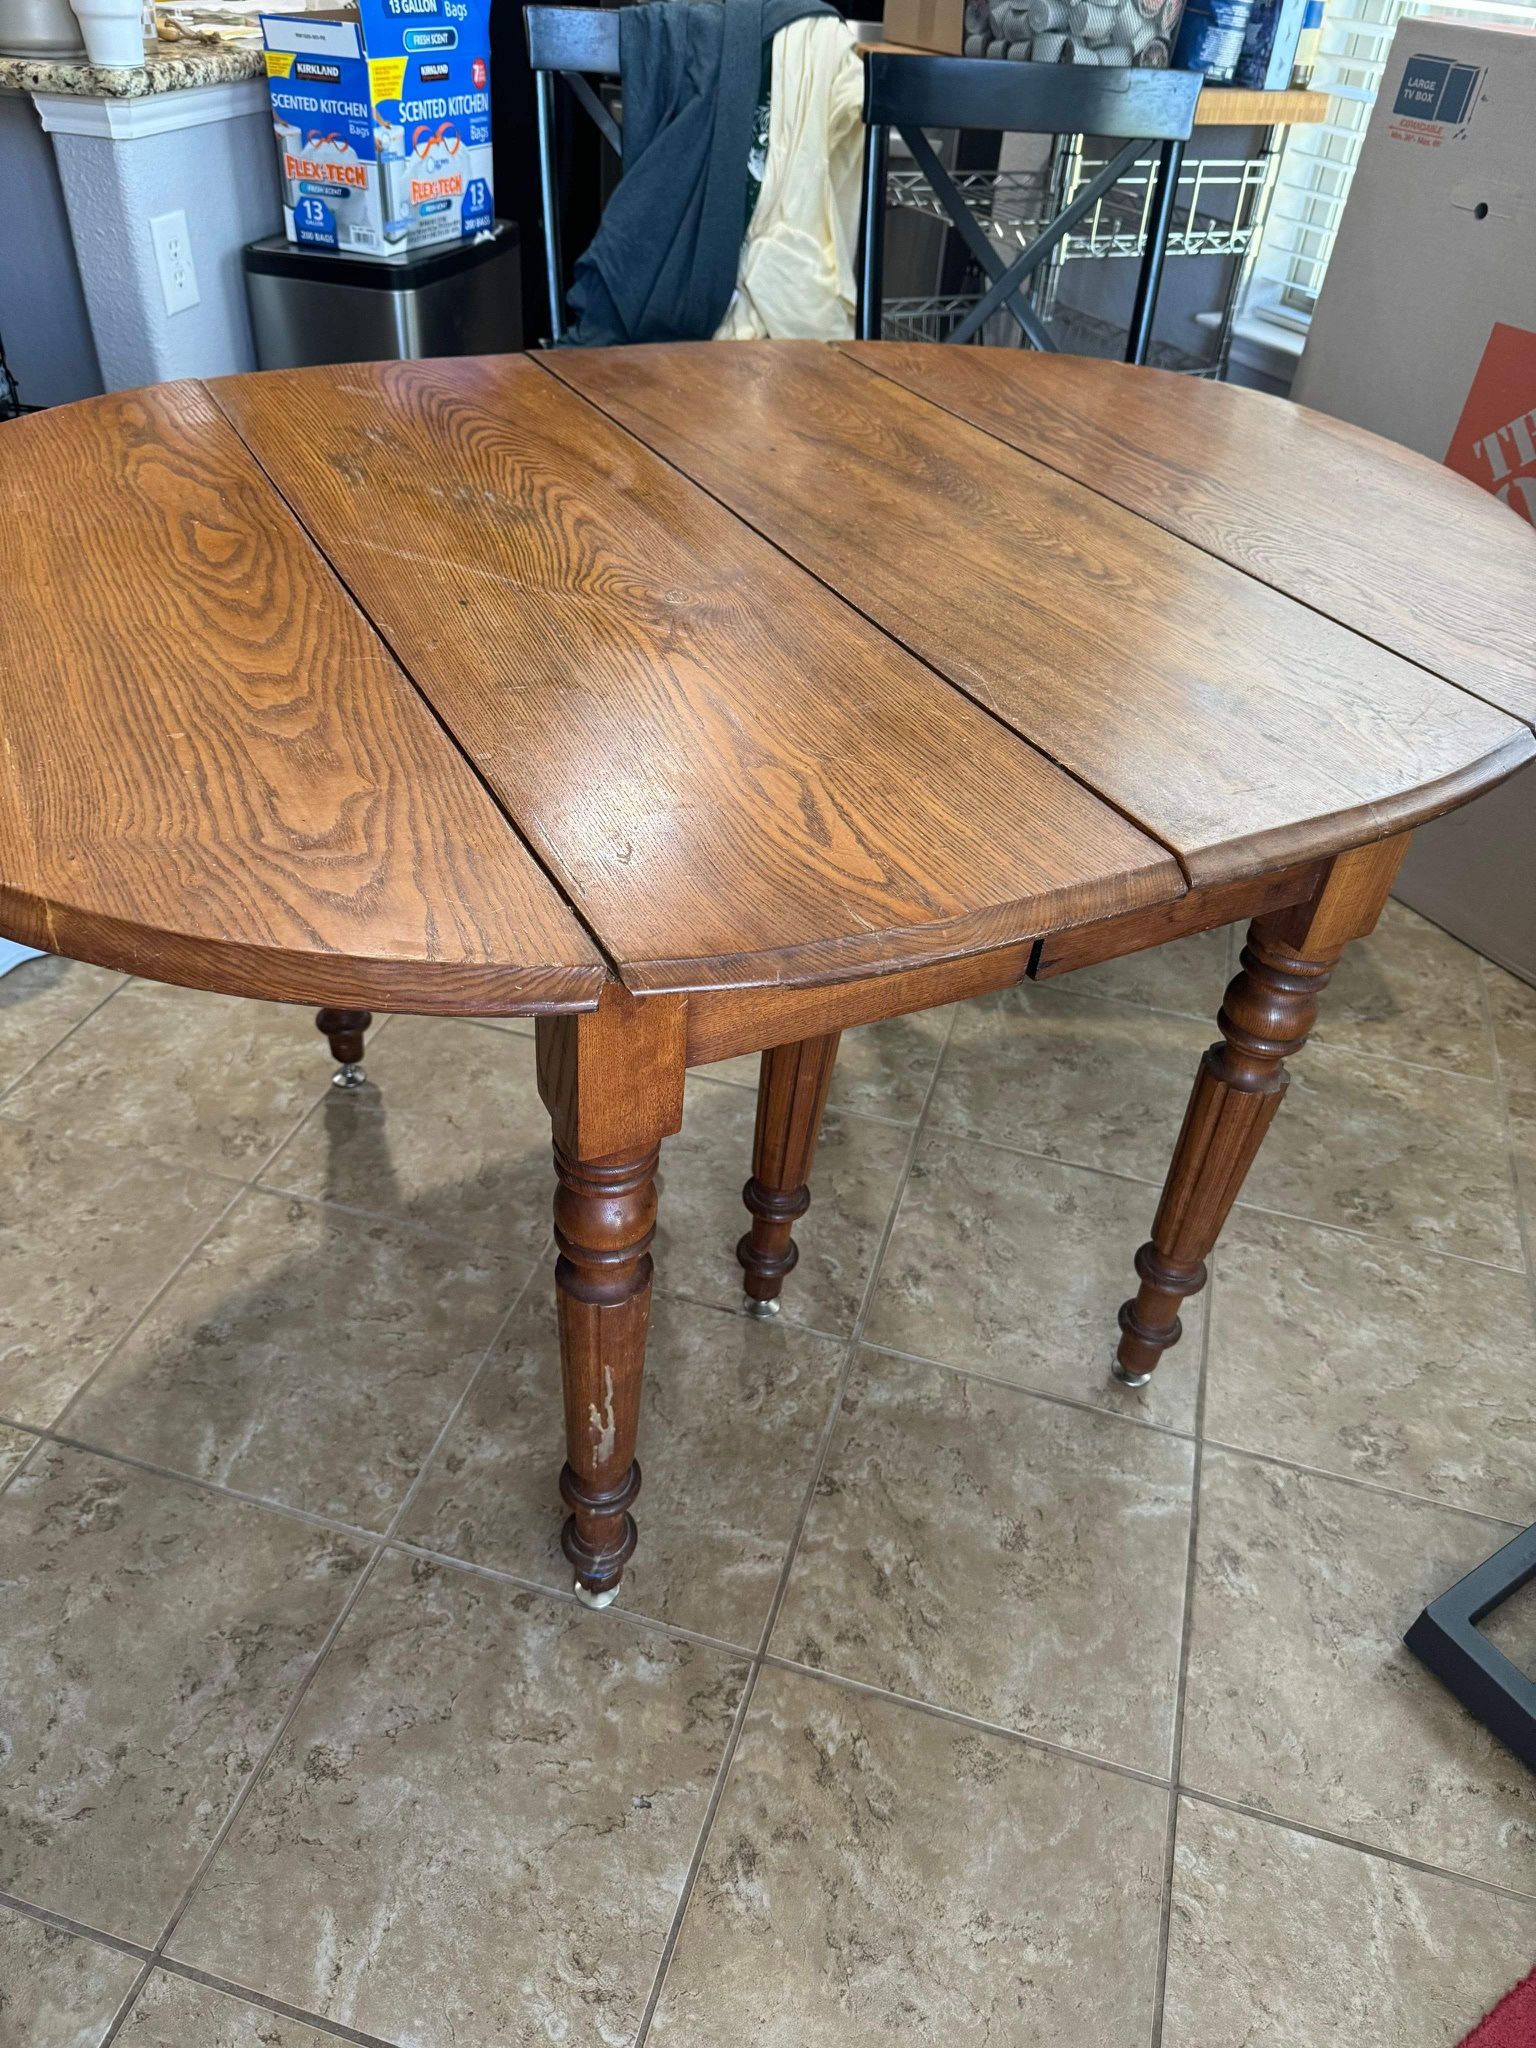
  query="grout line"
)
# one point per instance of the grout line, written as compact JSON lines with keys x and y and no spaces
{"x":39,"y":1438}
{"x":792,"y":1546}
{"x":301,"y":1690}
{"x":83,"y":1928}
{"x":696,"y":1861}
{"x":125,"y":2006}
{"x":837,"y":1109}
{"x":88,"y":1142}
{"x":226,"y":1826}
{"x":855,"y":1343}
{"x":1423,"y":1500}
{"x":784,"y":1321}
{"x":465,"y":1245}
{"x":1028,"y":1390}
{"x":958,"y":1134}
{"x":1181,"y":1682}
{"x":317,"y":2021}
{"x":31,"y":1068}
{"x":1270,"y":1818}
{"x":1523,"y":1219}
{"x":196,"y":1483}
{"x":672,"y":1631}
{"x":935,"y":1711}
{"x":237,"y":1195}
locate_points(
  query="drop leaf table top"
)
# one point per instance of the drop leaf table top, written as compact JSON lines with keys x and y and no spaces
{"x":707,"y":699}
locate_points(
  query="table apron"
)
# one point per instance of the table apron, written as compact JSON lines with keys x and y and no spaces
{"x":722,"y":1023}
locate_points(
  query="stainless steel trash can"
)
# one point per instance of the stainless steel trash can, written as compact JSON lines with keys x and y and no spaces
{"x":323,"y":306}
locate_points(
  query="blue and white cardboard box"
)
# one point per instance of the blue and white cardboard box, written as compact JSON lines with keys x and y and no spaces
{"x":382,"y":114}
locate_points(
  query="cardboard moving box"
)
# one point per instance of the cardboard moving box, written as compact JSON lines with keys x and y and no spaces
{"x":1425,"y":331}
{"x":926,"y":25}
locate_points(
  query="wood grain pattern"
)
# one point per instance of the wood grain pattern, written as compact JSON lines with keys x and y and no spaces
{"x":1202,"y":910}
{"x":791,"y":1099}
{"x":210,"y":770}
{"x":612,"y":1082}
{"x":735,"y":780}
{"x":1241,"y":729}
{"x":1269,"y":1008}
{"x":1375,"y":536}
{"x":1217,"y":107}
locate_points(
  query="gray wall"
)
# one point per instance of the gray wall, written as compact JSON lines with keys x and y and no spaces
{"x":42,"y":308}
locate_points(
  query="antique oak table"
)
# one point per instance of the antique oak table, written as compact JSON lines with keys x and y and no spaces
{"x":698,"y":701}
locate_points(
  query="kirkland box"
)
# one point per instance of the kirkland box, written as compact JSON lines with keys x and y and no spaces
{"x":382,"y":114}
{"x":1426,"y":332}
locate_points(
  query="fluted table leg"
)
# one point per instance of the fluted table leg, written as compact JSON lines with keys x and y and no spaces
{"x":1269,"y":1009}
{"x":791,"y":1097}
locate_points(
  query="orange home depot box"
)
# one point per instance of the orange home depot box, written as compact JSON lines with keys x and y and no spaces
{"x":1426,"y":332}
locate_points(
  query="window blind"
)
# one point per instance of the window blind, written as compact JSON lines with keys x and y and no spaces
{"x":1319,"y":160}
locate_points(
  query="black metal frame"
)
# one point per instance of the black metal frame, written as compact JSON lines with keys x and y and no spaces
{"x":573,"y":43}
{"x":910,"y":94}
{"x":1447,"y":1641}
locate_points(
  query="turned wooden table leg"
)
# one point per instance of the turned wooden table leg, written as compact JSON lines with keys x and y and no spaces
{"x":791,"y":1096}
{"x":612,"y":1080}
{"x":343,"y":1031}
{"x":1269,"y":1009}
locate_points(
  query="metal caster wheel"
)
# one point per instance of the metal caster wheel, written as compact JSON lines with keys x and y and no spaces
{"x":759,"y":1311}
{"x":351,"y":1075}
{"x":589,"y":1598}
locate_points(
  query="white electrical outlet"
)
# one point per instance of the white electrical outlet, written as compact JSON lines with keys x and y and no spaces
{"x":173,"y":259}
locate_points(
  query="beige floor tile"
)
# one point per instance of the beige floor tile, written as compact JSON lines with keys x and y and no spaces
{"x":42,"y":1000}
{"x":854,"y":1182}
{"x":877,"y":1875}
{"x":154,"y":1634}
{"x":1408,"y":992}
{"x":731,"y":1420}
{"x":1091,"y":1083}
{"x":882,"y":1069}
{"x":1513,"y":1007}
{"x":208,"y":1081}
{"x":58,"y":1990}
{"x":14,"y":1446}
{"x":1017,"y":1267}
{"x":479,"y":1823}
{"x":171,"y":2012}
{"x":1399,"y":1151}
{"x":1002,"y":1556}
{"x":1301,"y":1699}
{"x":1375,"y":1360}
{"x":305,"y":1355}
{"x":87,"y":1235}
{"x":1512,"y":1004}
{"x":449,"y":1135}
{"x":1279,"y":1940}
{"x":1186,"y":977}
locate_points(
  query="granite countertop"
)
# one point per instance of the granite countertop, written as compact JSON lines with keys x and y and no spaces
{"x":168,"y":68}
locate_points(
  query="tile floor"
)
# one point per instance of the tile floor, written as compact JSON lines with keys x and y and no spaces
{"x":955,"y":1696}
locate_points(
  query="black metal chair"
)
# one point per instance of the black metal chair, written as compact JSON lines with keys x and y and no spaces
{"x":576,"y":44}
{"x":911,"y":94}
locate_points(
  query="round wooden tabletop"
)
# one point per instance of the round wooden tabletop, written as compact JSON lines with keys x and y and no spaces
{"x":472,"y":685}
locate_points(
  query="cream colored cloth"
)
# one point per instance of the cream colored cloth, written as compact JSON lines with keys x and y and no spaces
{"x":795,"y":278}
